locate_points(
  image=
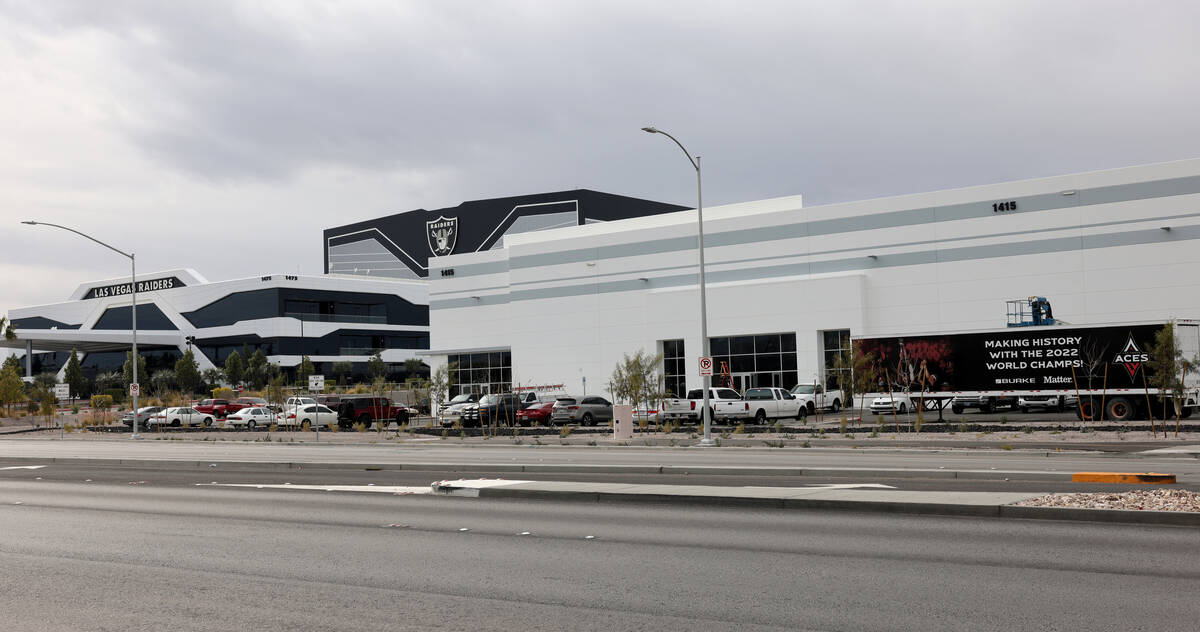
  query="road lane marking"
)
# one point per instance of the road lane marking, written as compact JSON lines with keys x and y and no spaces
{"x":379,"y":489}
{"x":23,"y":467}
{"x":831,"y":486}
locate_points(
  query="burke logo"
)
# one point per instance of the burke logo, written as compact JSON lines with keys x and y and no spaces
{"x":442,"y":234}
{"x":1131,"y":357}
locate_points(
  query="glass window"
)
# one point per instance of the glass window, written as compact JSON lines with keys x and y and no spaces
{"x":836,"y":342}
{"x":766,"y":344}
{"x":741,"y":345}
{"x":674,"y":368}
{"x":718,"y":346}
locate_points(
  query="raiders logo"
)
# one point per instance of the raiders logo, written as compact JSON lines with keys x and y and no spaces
{"x":442,"y":234}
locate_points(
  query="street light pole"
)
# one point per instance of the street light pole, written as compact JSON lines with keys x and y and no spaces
{"x":134,"y":361}
{"x":706,"y":412}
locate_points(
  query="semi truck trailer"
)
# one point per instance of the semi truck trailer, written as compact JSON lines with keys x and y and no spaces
{"x":1104,"y":369}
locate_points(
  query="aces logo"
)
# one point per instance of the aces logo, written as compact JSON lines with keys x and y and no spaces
{"x":1131,"y":357}
{"x":442,"y":234}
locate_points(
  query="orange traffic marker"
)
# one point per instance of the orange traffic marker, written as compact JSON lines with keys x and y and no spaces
{"x":1150,"y":478}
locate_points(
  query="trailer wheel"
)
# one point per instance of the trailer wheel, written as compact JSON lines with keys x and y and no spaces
{"x":1086,"y":411}
{"x":1120,"y":409}
{"x":957,"y":408}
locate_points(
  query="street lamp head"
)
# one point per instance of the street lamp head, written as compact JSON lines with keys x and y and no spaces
{"x":652,"y":129}
{"x":30,"y":222}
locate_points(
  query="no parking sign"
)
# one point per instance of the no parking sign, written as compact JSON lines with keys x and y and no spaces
{"x":705,"y":367}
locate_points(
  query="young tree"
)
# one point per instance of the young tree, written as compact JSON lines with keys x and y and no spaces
{"x":635,"y":379}
{"x":127,"y":372}
{"x":376,"y":367}
{"x":74,"y":377}
{"x":46,"y":380}
{"x":160,"y":382}
{"x":305,"y":369}
{"x":340,"y":369}
{"x":15,"y":363}
{"x":12,"y":388}
{"x":1170,"y":371}
{"x":275,"y":394}
{"x":213,"y":377}
{"x":47,"y":399}
{"x":235,"y":368}
{"x":187,"y":372}
{"x":256,"y":370}
{"x":413,"y":367}
{"x":864,"y":373}
{"x":440,"y":383}
{"x":108,"y":380}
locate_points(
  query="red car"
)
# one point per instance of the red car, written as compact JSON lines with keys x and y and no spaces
{"x":536,"y":415}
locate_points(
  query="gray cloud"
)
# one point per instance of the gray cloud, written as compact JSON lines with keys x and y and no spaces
{"x":312,"y":114}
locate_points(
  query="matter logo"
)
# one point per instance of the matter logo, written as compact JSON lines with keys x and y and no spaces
{"x":442,"y":234}
{"x":1131,"y":357}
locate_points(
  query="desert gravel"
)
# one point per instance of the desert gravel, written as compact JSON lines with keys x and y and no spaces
{"x":1146,"y":500}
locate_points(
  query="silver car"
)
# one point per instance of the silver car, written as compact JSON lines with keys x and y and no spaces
{"x":588,"y":410}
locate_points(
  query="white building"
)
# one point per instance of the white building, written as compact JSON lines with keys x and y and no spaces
{"x":788,"y":284}
{"x":330,"y":318}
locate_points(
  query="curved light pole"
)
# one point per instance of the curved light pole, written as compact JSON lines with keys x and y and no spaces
{"x":706,"y":413}
{"x":134,"y":361}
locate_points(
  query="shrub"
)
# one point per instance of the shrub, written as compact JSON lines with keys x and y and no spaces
{"x":564,"y":431}
{"x":360,"y":426}
{"x":740,"y":429}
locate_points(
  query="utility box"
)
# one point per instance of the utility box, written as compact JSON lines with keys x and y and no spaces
{"x":622,"y":421}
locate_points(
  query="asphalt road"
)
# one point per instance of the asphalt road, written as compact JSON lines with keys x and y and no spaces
{"x":105,"y":555}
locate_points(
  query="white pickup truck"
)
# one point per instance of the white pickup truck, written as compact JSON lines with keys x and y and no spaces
{"x":814,"y":397}
{"x":761,"y":404}
{"x":690,"y":407}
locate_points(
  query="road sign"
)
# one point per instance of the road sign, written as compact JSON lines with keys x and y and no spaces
{"x":705,"y":367}
{"x":62,"y":391}
{"x":135,"y":390}
{"x":316,"y":382}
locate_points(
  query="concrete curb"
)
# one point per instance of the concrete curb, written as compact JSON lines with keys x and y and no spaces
{"x":977,"y":504}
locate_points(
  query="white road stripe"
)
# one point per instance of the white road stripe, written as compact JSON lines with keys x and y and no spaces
{"x":832,"y":486}
{"x":23,"y":467}
{"x":381,"y":489}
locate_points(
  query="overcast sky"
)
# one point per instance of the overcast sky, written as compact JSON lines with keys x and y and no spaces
{"x":224,"y":136}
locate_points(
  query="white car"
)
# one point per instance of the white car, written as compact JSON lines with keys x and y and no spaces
{"x":180,"y":416}
{"x":1057,"y":403}
{"x":902,"y":403}
{"x":293,"y":403}
{"x":250,"y":418}
{"x":314,"y":415}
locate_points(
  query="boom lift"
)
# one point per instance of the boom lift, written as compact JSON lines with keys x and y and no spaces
{"x":1031,"y":312}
